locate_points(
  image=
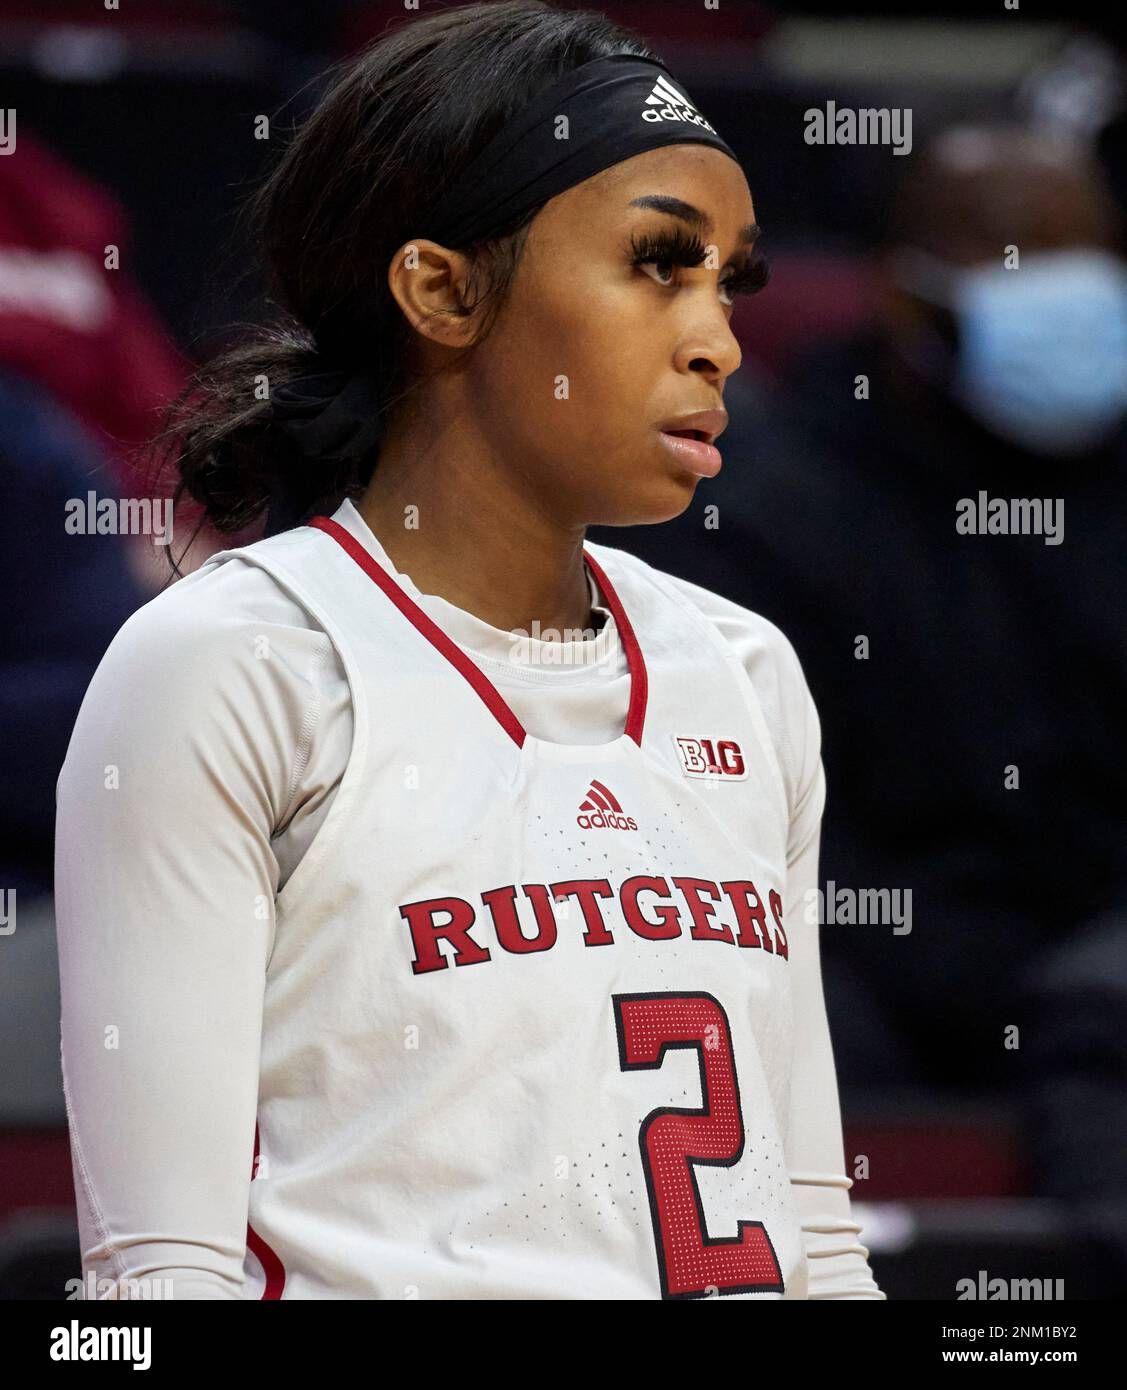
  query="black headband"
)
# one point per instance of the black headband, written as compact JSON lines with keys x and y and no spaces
{"x":615,"y":108}
{"x":596,"y":115}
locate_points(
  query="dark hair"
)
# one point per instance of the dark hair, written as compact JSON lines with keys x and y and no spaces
{"x":397,"y":124}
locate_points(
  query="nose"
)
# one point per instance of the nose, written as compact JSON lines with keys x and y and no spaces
{"x":710,"y":350}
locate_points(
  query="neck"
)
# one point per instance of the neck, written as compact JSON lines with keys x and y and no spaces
{"x":468,"y":529}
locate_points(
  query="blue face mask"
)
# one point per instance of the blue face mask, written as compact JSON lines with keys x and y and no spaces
{"x":1042,"y":358}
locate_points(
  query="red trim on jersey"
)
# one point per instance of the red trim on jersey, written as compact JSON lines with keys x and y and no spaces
{"x":473,"y":673}
{"x":639,"y":677}
{"x":272,"y":1265}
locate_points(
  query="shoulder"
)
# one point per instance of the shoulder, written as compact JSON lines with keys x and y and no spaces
{"x":223,"y":660}
{"x":765,"y":653}
{"x":230,"y":610}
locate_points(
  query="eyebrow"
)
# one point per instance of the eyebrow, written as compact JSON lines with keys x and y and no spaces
{"x":686,"y":212}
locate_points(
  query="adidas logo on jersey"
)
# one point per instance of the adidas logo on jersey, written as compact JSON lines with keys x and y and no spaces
{"x":666,"y":103}
{"x":601,"y":811}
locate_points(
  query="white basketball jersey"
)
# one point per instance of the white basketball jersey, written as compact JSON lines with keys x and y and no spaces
{"x":528,"y":1027}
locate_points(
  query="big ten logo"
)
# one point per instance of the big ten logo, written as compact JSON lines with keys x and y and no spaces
{"x":711,"y":759}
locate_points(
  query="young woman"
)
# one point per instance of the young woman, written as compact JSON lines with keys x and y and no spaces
{"x":432,"y":887}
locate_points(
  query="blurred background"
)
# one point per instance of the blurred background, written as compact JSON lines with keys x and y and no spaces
{"x":971,"y":687}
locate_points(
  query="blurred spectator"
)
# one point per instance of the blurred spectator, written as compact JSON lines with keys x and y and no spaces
{"x":81,"y":329}
{"x":67,"y":596}
{"x":1082,"y":91}
{"x":990,"y":656}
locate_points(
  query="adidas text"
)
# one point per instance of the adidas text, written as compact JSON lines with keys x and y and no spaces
{"x":598,"y":820}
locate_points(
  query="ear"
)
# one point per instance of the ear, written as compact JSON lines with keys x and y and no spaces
{"x":430,"y":284}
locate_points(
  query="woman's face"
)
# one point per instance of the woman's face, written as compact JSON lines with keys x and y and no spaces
{"x":592,"y":354}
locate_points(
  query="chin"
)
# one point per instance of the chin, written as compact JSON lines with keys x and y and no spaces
{"x":661,"y":501}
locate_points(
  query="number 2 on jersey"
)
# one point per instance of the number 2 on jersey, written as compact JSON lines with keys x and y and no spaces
{"x":691,"y":1263}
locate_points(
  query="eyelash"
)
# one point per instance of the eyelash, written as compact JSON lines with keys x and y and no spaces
{"x":675,"y":246}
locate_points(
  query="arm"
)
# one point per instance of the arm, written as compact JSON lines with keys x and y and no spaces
{"x":837,"y":1262}
{"x":177,"y":772}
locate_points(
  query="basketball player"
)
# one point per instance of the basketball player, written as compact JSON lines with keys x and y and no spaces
{"x":431,"y":885}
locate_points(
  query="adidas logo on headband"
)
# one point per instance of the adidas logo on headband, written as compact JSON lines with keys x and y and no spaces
{"x":671,"y":105}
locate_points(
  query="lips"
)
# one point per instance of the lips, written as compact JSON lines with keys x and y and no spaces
{"x":696,"y":454}
{"x":690,"y":438}
{"x":704,"y":425}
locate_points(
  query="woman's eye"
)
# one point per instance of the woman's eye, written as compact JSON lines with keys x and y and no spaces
{"x":668,"y":268}
{"x":669,"y":264}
